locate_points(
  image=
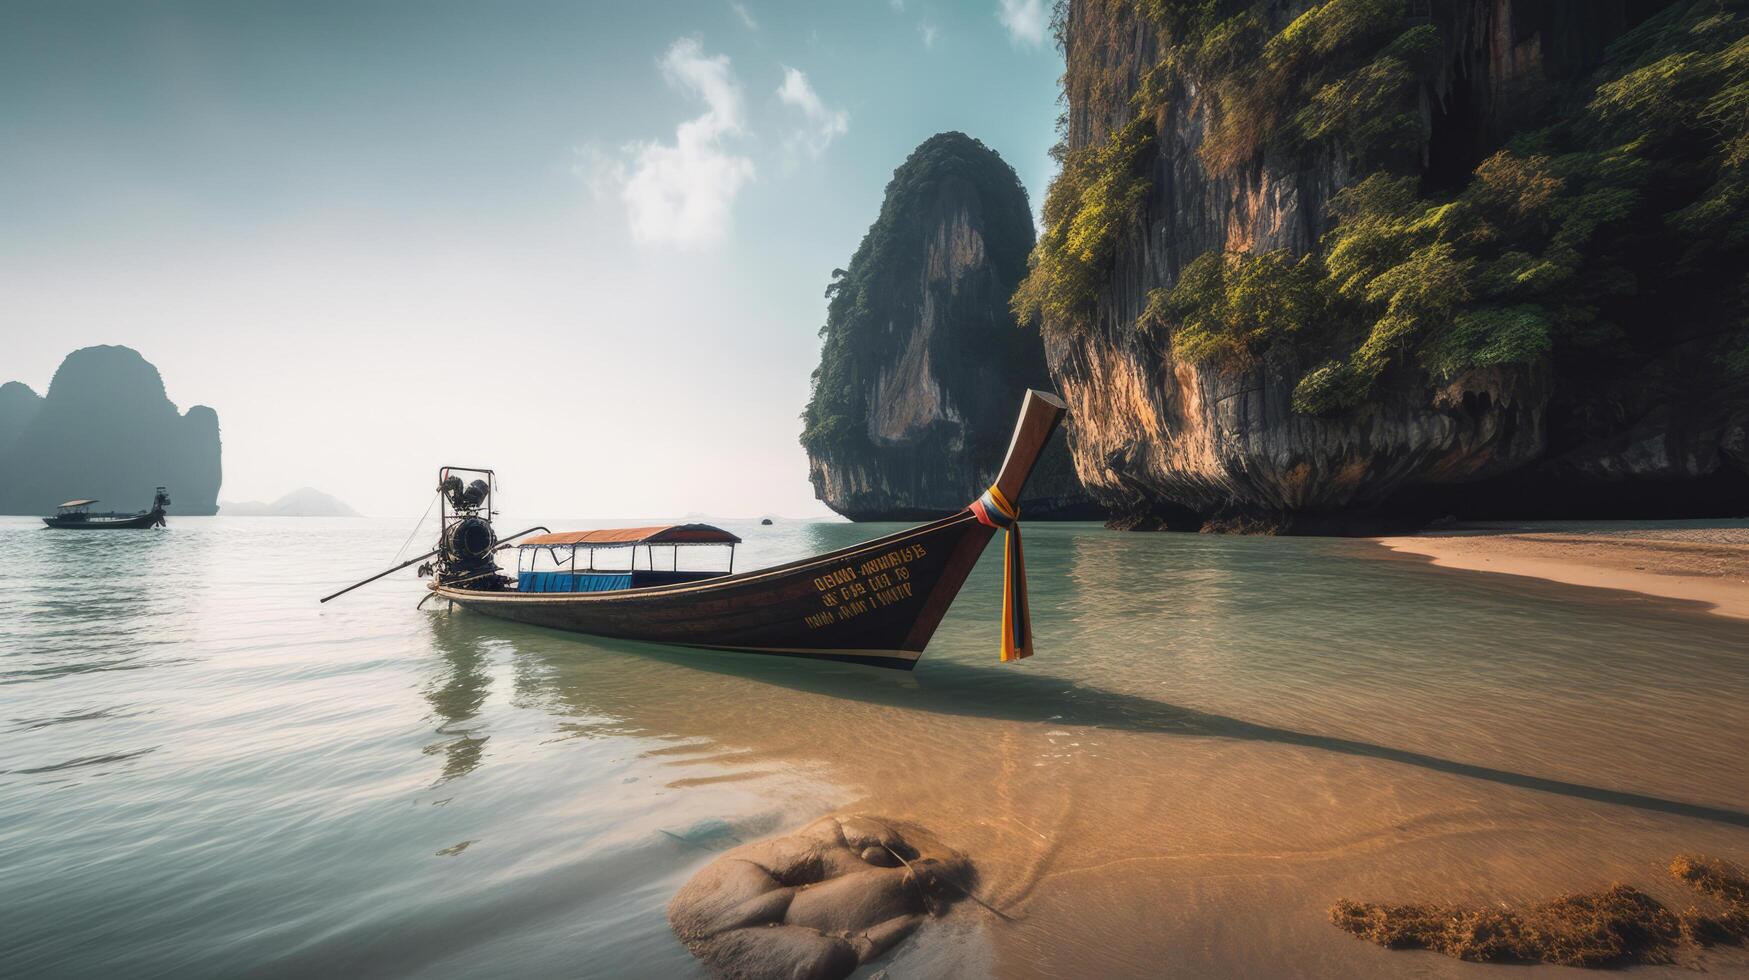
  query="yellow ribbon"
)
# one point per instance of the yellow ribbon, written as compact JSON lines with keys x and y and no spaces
{"x":994,"y":510}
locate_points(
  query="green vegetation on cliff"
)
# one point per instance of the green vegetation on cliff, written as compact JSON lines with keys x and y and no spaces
{"x":876,"y":300}
{"x":1626,"y":191}
{"x":1099,"y":193}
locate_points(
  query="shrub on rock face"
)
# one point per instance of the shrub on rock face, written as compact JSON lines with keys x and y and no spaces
{"x":818,"y":903}
{"x":1647,"y":180}
{"x":1293,"y":245}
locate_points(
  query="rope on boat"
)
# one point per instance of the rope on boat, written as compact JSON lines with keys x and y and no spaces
{"x":403,"y":548}
{"x":993,"y":510}
{"x":963,"y":890}
{"x":470,"y":578}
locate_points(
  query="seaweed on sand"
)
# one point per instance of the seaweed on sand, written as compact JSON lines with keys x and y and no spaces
{"x":1615,"y":927}
{"x":1723,"y":881}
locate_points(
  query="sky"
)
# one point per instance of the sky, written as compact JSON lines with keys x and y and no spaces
{"x":582,"y":243}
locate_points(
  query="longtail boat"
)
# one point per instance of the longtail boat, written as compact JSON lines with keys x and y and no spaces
{"x":875,"y":603}
{"x":75,"y":515}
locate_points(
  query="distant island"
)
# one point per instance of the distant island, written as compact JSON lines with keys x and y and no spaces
{"x":302,"y":502}
{"x":107,"y":430}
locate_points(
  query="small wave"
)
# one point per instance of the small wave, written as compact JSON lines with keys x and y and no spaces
{"x":82,"y":762}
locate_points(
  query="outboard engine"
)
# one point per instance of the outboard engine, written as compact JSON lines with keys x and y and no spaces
{"x":468,"y":542}
{"x":465,"y":549}
{"x":468,"y":498}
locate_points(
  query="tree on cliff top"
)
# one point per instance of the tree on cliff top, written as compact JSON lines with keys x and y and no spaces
{"x":876,"y":299}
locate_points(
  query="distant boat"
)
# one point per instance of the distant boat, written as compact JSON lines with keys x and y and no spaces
{"x":765,"y":522}
{"x":875,"y":603}
{"x":75,"y":515}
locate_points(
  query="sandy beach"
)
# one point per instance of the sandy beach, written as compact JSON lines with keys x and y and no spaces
{"x":1707,"y":565}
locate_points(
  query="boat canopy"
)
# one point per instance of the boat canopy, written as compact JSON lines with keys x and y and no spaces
{"x":78,"y":503}
{"x":622,"y":536}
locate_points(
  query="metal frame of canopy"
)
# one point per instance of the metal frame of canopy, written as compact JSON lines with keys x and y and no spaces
{"x":533,"y":549}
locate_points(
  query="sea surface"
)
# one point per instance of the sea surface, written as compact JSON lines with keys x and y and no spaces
{"x":205,"y":773}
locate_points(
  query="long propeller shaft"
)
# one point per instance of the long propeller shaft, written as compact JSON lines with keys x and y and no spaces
{"x":505,"y":543}
{"x":378,"y":575}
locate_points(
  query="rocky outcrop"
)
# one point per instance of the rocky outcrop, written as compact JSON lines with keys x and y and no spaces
{"x":816,"y":904}
{"x":18,"y":406}
{"x":1162,"y":440}
{"x":105,"y":430}
{"x":923,"y":366}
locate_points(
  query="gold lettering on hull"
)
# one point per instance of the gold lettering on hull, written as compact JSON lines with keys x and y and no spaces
{"x":849,"y":592}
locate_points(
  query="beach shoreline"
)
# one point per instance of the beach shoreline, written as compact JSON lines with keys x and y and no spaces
{"x":1708,"y":565}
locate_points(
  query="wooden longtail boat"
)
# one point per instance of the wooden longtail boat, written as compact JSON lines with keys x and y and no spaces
{"x":75,"y":515}
{"x":876,"y":603}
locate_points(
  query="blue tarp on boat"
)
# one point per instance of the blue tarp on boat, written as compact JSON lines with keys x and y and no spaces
{"x":573,"y":581}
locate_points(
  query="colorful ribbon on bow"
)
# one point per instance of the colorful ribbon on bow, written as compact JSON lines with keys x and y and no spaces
{"x":994,"y":510}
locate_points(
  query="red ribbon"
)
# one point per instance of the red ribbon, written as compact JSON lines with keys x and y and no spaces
{"x":993,"y":510}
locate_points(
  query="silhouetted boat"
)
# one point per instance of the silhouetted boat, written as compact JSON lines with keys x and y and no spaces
{"x":877,"y":602}
{"x":75,"y":515}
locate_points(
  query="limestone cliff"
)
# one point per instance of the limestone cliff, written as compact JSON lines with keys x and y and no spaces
{"x":18,"y":405}
{"x":106,"y":430}
{"x":1328,"y":266}
{"x":923,"y":366}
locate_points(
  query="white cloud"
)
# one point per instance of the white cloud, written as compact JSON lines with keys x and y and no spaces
{"x":820,"y":125}
{"x":929,"y":33}
{"x":680,"y":193}
{"x":746,"y":15}
{"x":898,"y":5}
{"x":1026,"y":20}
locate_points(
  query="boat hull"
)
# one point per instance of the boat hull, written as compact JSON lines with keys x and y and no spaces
{"x":873,"y":603}
{"x":138,"y":522}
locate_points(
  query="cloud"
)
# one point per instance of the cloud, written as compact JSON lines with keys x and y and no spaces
{"x":929,"y":33}
{"x":746,"y":15}
{"x":680,"y":193}
{"x":1026,"y":20}
{"x":820,"y":125}
{"x":898,"y":5}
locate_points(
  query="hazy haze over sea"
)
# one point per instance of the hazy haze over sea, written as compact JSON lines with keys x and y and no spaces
{"x":205,"y":773}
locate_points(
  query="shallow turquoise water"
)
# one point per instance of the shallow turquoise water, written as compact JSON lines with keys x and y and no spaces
{"x":205,"y":773}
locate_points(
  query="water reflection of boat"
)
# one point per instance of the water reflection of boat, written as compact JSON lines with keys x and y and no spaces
{"x":75,"y":515}
{"x":456,"y":695}
{"x":877,"y":602}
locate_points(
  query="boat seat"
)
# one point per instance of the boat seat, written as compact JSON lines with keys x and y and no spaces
{"x":573,"y":581}
{"x":547,"y":582}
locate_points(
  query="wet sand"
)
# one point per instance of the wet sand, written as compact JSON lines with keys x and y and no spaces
{"x":1707,"y":565}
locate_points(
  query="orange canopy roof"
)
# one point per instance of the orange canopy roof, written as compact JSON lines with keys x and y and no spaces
{"x":657,"y":534}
